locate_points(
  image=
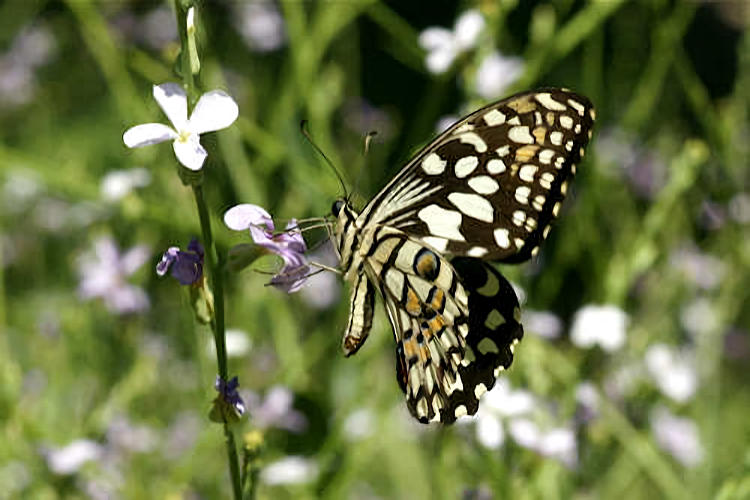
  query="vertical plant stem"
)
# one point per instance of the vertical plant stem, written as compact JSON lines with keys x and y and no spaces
{"x":212,"y":257}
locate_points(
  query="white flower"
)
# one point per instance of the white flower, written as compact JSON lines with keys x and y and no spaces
{"x":525,"y":433}
{"x":443,"y":45}
{"x":739,"y":208}
{"x":499,"y":404}
{"x":674,"y":372}
{"x":705,"y":270}
{"x":602,"y":325}
{"x":237,"y":343}
{"x":70,"y":458}
{"x":290,"y":470}
{"x":559,"y":443}
{"x":276,"y":410}
{"x":119,"y":183}
{"x":677,"y":436}
{"x":496,"y":73}
{"x":587,"y":398}
{"x":699,"y":317}
{"x":103,"y":274}
{"x":360,"y":424}
{"x":215,"y":110}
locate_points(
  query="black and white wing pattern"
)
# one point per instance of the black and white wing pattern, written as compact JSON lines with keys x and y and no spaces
{"x":490,"y":186}
{"x":487,"y":189}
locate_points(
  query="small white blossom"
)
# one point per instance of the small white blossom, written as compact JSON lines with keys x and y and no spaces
{"x":444,"y":45}
{"x":699,"y":317}
{"x":215,"y":110}
{"x":559,"y":443}
{"x":496,"y":73}
{"x":499,"y":404}
{"x":290,"y":470}
{"x":739,"y":208}
{"x":68,"y":459}
{"x":261,"y":25}
{"x":602,"y":325}
{"x":525,"y":433}
{"x":705,"y":270}
{"x":237,"y":343}
{"x":545,"y":324}
{"x":673,"y":372}
{"x":587,"y":398}
{"x":677,"y":436}
{"x":275,"y":410}
{"x":119,"y":183}
{"x":360,"y":424}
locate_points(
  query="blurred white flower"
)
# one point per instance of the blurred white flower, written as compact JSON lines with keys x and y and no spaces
{"x":602,"y":325}
{"x":444,"y":123}
{"x":119,"y":183}
{"x":587,"y":398}
{"x":323,"y":289}
{"x":360,"y":424}
{"x":623,"y":380}
{"x":739,"y":208}
{"x":215,"y":110}
{"x":103,"y":272}
{"x":275,"y":410}
{"x":20,"y":189}
{"x":525,"y":433}
{"x":489,"y":429}
{"x":677,"y":436}
{"x":559,"y":443}
{"x":705,"y":270}
{"x":699,"y":317}
{"x":444,"y":45}
{"x":260,"y":24}
{"x":545,"y":324}
{"x":237,"y":343}
{"x":673,"y":371}
{"x":69,"y":459}
{"x":31,"y":48}
{"x":122,"y":434}
{"x":499,"y":404}
{"x":496,"y":73}
{"x":290,"y":470}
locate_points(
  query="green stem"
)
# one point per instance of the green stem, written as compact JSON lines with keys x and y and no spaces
{"x":214,"y":264}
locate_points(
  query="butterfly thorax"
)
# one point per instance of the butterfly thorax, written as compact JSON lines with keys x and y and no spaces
{"x":348,"y":237}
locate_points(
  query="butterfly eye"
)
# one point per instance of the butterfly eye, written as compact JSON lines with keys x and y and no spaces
{"x":337,"y":206}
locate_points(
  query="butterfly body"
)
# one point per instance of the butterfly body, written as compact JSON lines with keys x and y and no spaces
{"x":487,"y":189}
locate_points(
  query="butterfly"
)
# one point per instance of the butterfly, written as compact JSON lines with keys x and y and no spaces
{"x":486,"y":189}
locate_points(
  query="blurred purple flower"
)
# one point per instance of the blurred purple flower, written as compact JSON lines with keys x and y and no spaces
{"x":677,"y":436}
{"x":185,"y":266}
{"x":228,"y":393}
{"x":704,"y":270}
{"x":103,"y":275}
{"x":276,"y":410}
{"x":444,"y":45}
{"x":496,"y":73}
{"x":587,"y":401}
{"x":260,"y":24}
{"x":289,"y":245}
{"x":31,"y":48}
{"x":643,"y":168}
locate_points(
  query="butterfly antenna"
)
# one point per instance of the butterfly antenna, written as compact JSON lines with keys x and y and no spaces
{"x":303,"y":128}
{"x":368,"y":140}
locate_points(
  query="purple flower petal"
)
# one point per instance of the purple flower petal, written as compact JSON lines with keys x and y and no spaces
{"x":186,"y":267}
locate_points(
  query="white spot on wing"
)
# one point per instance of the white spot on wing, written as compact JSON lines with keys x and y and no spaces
{"x":439,"y":244}
{"x":545,"y":156}
{"x":477,"y":252}
{"x":545,"y":99}
{"x":527,"y":172}
{"x":483,"y":184}
{"x":442,"y":222}
{"x":494,"y":117}
{"x":460,"y":411}
{"x":479,"y":390}
{"x":474,"y":140}
{"x":502,"y":237}
{"x":465,"y":166}
{"x":556,"y":137}
{"x":503,"y":150}
{"x":473,"y":205}
{"x":566,"y":121}
{"x":495,"y":166}
{"x":521,"y":135}
{"x":577,"y":106}
{"x":433,"y":165}
{"x":522,"y":194}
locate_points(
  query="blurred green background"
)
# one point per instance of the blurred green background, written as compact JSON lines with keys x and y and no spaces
{"x":631,"y":381}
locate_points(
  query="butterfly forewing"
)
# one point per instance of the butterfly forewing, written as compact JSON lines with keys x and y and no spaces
{"x":490,"y":186}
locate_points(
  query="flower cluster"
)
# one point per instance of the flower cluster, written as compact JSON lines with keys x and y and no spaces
{"x":185,"y":266}
{"x":289,"y":244}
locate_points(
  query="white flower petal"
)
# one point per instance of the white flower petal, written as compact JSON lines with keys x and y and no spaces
{"x":677,"y":436}
{"x":190,"y":153}
{"x":525,"y":433}
{"x":435,"y":38}
{"x":440,"y":60}
{"x":468,"y":27}
{"x":70,"y":458}
{"x":241,"y":217}
{"x":560,"y":443}
{"x":147,"y":134}
{"x":215,"y":110}
{"x":490,"y":431}
{"x":603,"y":325}
{"x":173,"y":101}
{"x":290,"y":470}
{"x":496,"y":73}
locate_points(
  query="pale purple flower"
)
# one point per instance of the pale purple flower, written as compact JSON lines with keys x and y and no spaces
{"x":545,"y":324}
{"x":289,"y":245}
{"x":290,"y":470}
{"x":119,"y":183}
{"x":260,"y":24}
{"x":587,"y":400}
{"x":123,"y":434}
{"x":275,"y":410}
{"x":69,"y":459}
{"x":496,"y":73}
{"x":560,"y":444}
{"x":104,"y":273}
{"x":444,"y":45}
{"x":677,"y":436}
{"x":643,"y":168}
{"x":31,"y":48}
{"x":599,"y":325}
{"x":215,"y":110}
{"x":673,"y":371}
{"x":705,"y":270}
{"x":184,"y":266}
{"x":700,"y":317}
